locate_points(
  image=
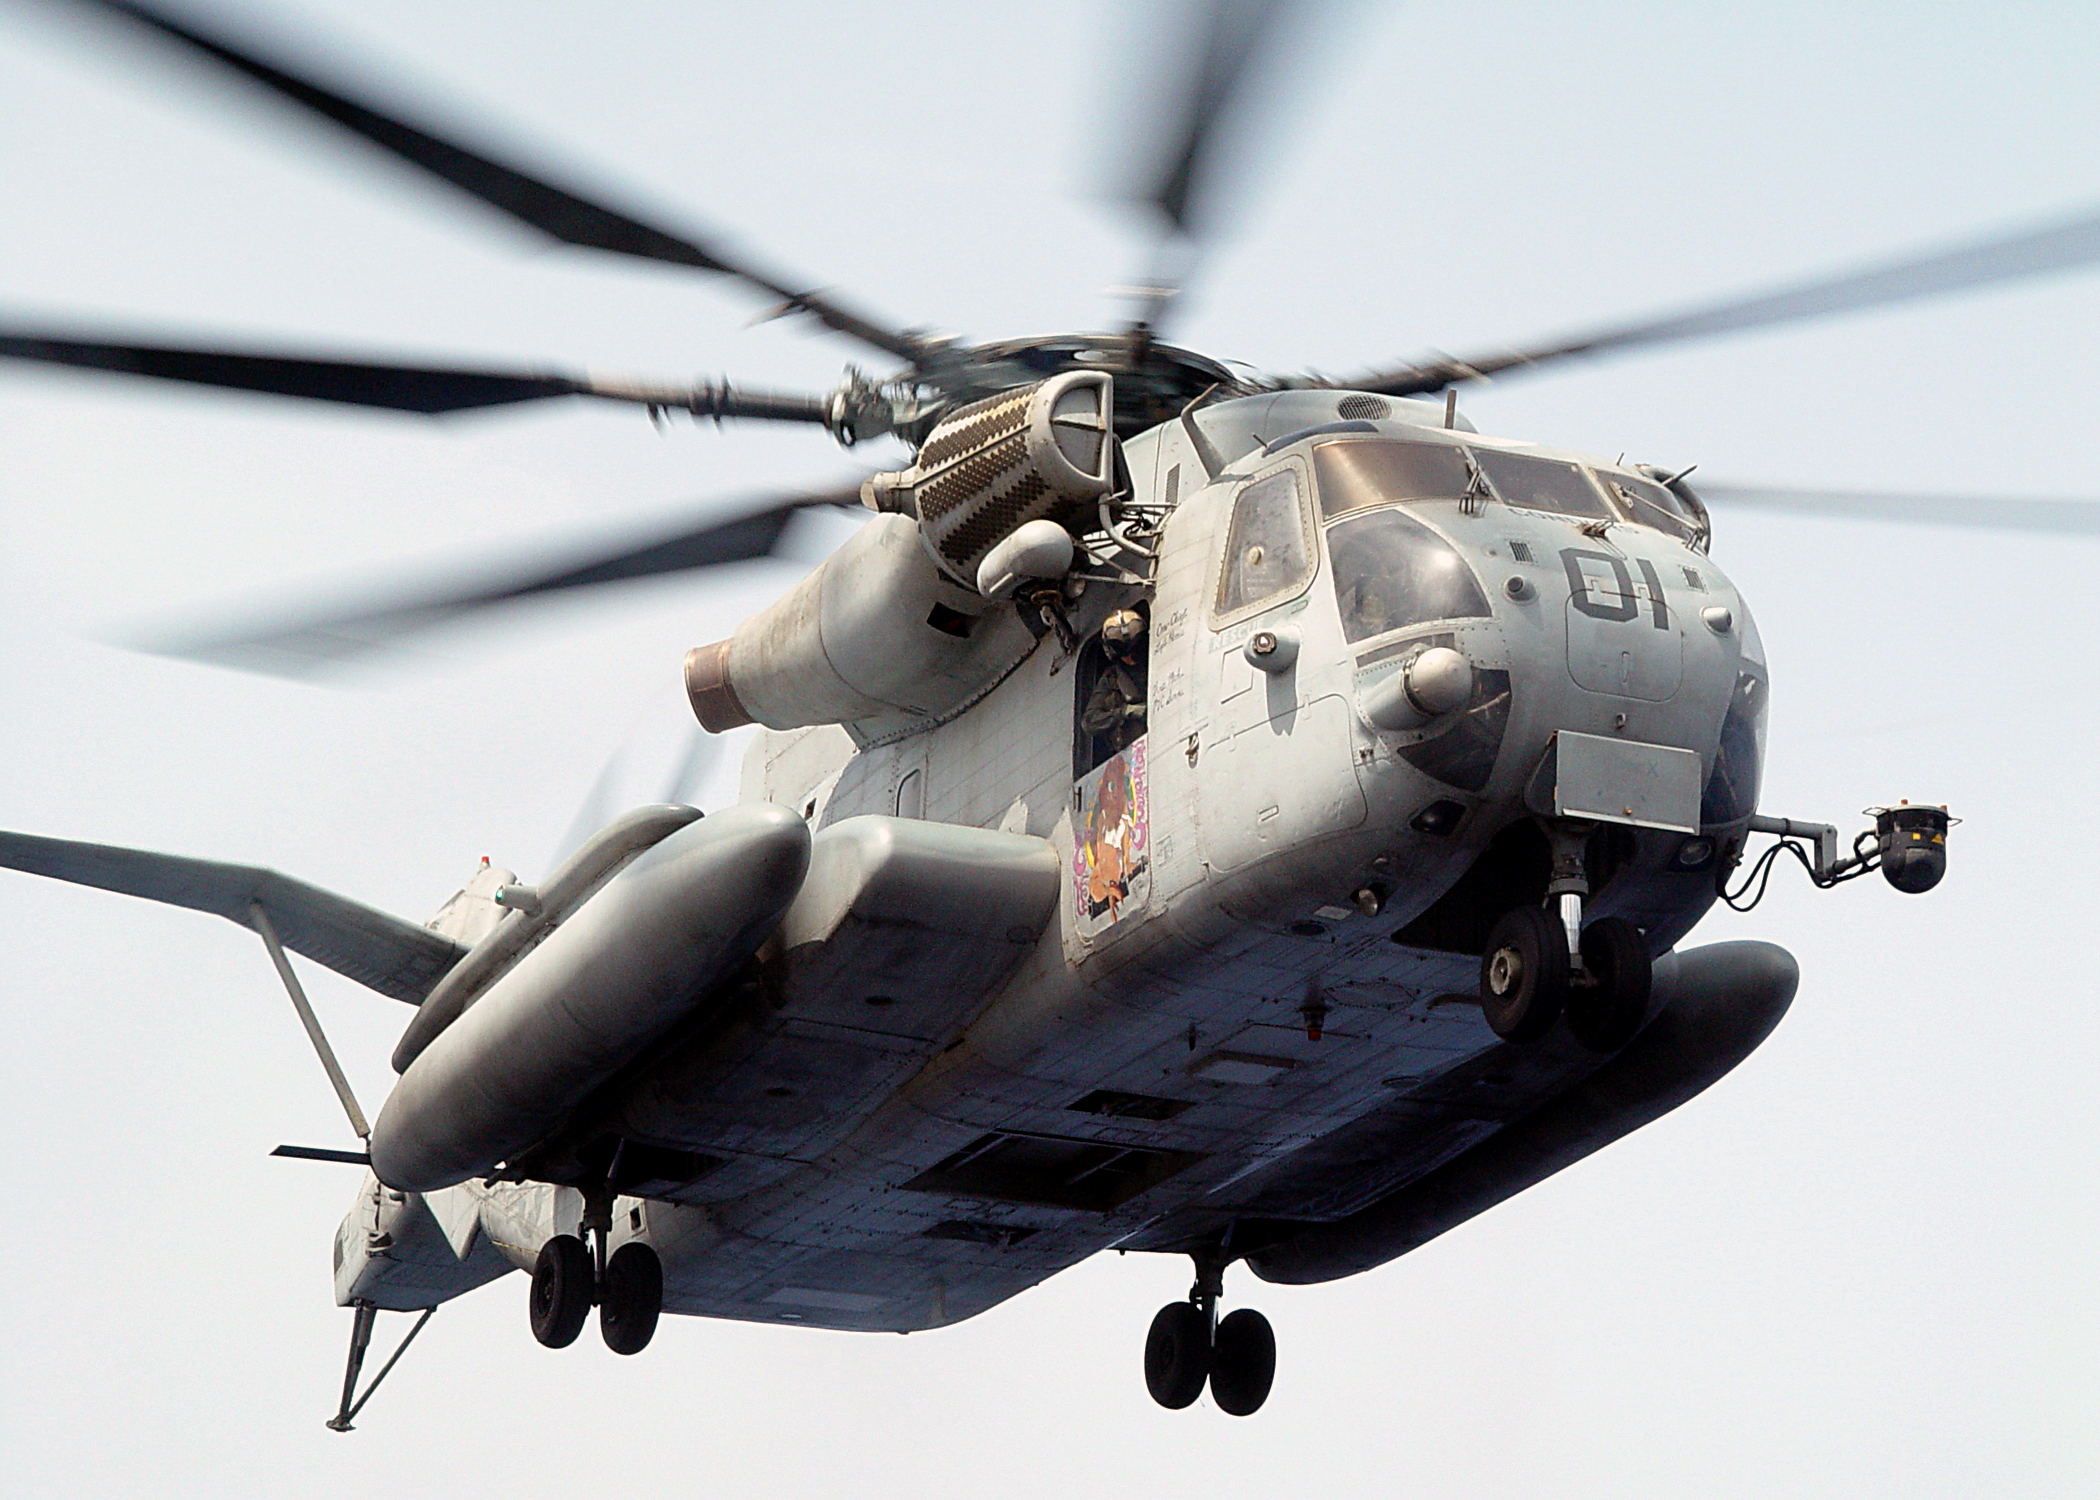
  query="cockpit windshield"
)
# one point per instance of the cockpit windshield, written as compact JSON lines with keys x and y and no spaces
{"x":1357,"y":474}
{"x":1542,"y":484}
{"x":1650,"y":504}
{"x":1391,"y":571}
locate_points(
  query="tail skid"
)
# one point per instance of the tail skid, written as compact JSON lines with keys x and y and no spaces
{"x":360,"y":1340}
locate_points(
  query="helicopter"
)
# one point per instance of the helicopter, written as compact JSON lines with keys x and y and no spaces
{"x":1157,"y":692}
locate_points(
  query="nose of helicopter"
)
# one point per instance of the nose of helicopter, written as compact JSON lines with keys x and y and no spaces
{"x":1634,"y":639}
{"x":1627,"y":635}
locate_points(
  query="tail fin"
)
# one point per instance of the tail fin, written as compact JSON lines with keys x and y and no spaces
{"x":381,"y":952}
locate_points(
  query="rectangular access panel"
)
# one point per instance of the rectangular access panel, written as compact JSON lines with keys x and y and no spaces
{"x":1052,"y":1171}
{"x":1625,"y":781}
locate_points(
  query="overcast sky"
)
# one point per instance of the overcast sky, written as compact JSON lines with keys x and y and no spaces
{"x":1862,"y":1265}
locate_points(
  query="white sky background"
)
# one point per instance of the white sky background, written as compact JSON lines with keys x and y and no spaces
{"x":1862,"y":1265}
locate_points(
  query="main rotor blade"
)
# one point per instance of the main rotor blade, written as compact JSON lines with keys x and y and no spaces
{"x":430,"y":389}
{"x":2060,"y":246}
{"x":1228,"y":34}
{"x":2058,"y":517}
{"x":564,"y":214}
{"x":305,"y":646}
{"x":1173,"y":173}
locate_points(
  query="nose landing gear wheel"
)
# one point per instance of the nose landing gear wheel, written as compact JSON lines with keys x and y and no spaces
{"x":634,"y":1296}
{"x":1242,"y":1362}
{"x":1524,"y":974}
{"x":1177,"y":1354}
{"x":1605,"y":1014}
{"x":561,"y":1291}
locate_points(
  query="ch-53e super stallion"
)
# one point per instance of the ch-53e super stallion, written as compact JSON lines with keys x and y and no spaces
{"x":1239,"y":817}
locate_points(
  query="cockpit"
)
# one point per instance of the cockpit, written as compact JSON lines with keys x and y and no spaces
{"x":1358,"y":473}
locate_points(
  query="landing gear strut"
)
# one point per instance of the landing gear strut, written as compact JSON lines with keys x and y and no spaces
{"x":571,"y":1277}
{"x":1541,"y":961}
{"x":1189,"y":1346}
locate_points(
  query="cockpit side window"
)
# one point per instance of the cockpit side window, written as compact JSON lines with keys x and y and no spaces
{"x":1542,"y":484}
{"x":1649,"y":504}
{"x":1359,"y":474}
{"x":1391,"y":571}
{"x":1268,"y":548}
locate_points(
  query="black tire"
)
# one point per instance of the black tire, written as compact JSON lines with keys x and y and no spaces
{"x":1242,"y":1362}
{"x":1524,"y":974}
{"x":561,"y":1291}
{"x":1177,"y":1355}
{"x":1605,"y":1015}
{"x":634,"y":1297}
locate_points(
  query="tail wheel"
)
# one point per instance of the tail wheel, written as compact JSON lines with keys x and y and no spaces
{"x":561,"y":1291}
{"x":634,"y":1297}
{"x":1524,"y":974}
{"x":1605,"y":1015}
{"x":1177,"y":1354}
{"x":1242,"y":1362}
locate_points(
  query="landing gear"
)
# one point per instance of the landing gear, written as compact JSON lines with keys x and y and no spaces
{"x":574,"y":1274}
{"x":1177,"y":1354}
{"x":1242,"y":1362}
{"x":562,"y":1287}
{"x":1605,"y":1012}
{"x":1524,"y":974}
{"x":1541,"y":961}
{"x":1190,"y":1346}
{"x":632,"y":1298}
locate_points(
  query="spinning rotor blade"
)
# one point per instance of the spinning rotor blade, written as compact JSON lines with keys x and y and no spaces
{"x":2059,"y":517}
{"x":2054,"y":247}
{"x":302,"y":647}
{"x":419,"y":388}
{"x":1223,"y":42}
{"x":560,"y":213}
{"x":1229,"y":33}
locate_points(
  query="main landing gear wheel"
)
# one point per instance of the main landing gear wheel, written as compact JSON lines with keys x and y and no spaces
{"x":1524,"y":974}
{"x":1605,"y":1013}
{"x":561,"y":1291}
{"x":1177,"y":1354}
{"x":633,"y":1297}
{"x":1242,"y":1362}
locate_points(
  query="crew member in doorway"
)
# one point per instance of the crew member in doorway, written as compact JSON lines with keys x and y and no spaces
{"x":1115,"y":712}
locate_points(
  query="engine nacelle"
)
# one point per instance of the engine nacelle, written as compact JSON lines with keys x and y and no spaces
{"x":1042,"y":452}
{"x":876,"y":633}
{"x":633,"y":962}
{"x":894,"y":626}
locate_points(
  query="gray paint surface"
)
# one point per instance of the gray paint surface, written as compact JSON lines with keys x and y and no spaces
{"x":1756,"y":1266}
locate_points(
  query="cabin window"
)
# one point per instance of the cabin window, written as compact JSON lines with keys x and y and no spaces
{"x":911,"y":795}
{"x":1357,"y":475}
{"x":1542,"y":484}
{"x":1391,"y":571}
{"x":1268,"y":551}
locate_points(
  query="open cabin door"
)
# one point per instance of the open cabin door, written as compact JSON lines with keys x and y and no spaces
{"x":1111,"y":871}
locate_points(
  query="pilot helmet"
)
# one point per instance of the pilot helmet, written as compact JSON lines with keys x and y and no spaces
{"x":1123,"y":627}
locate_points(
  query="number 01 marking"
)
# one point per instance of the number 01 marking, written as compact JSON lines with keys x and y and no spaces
{"x":1622,"y":603}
